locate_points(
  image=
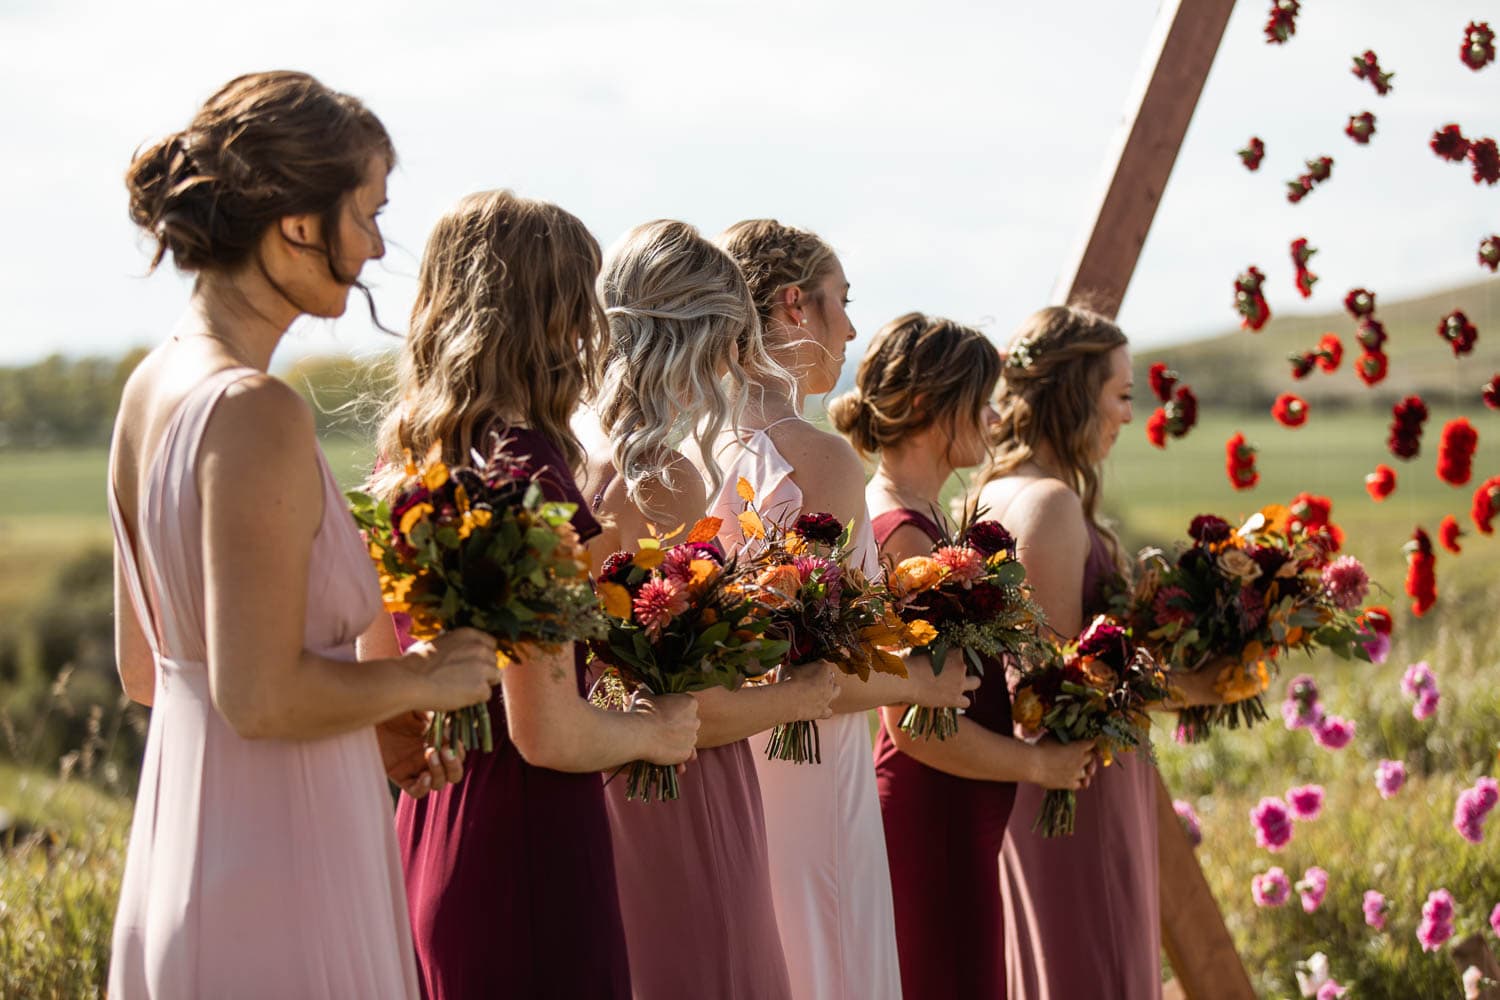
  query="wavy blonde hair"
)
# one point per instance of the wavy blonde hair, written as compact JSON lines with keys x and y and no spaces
{"x":506,"y":327}
{"x":1056,"y":367}
{"x":918,"y":371}
{"x":679,"y":311}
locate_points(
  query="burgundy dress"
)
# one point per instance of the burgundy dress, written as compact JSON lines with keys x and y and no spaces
{"x":943,"y":834}
{"x":510,"y":875}
{"x":1082,"y":917}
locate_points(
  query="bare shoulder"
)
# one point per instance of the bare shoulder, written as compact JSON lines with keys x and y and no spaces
{"x":263,"y":420}
{"x":678,"y":493}
{"x":807,"y":447}
{"x":1043,"y":507}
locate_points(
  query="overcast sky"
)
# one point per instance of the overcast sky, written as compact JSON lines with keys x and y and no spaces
{"x":951,"y":152}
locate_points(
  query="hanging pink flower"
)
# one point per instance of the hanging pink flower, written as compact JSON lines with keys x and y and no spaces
{"x":1437,"y":920}
{"x":1312,"y":888}
{"x":1270,"y":889}
{"x":1331,"y":990}
{"x":1306,"y":801}
{"x":1390,"y":776}
{"x":1495,"y":920}
{"x":1301,"y":709}
{"x":1273,"y":824}
{"x":1420,"y":684}
{"x":1473,"y":808}
{"x":1333,"y":732}
{"x":1375,"y":909}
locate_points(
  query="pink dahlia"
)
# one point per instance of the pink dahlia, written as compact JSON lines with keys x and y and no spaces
{"x":963,"y":564}
{"x":1306,"y":801}
{"x":657,"y":603}
{"x":1375,"y":909}
{"x":1163,"y":609}
{"x":1346,"y":582}
{"x":1437,"y":920}
{"x":1301,"y":709}
{"x":1333,"y":732}
{"x":1418,"y":678}
{"x":1473,"y":808}
{"x":1189,"y":820}
{"x":1273,"y":824}
{"x":1426,"y":705}
{"x":1390,"y":776}
{"x":1271,"y":889}
{"x":1312,"y":888}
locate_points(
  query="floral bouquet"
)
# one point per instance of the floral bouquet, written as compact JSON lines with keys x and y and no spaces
{"x":680,"y":619}
{"x":479,"y":547}
{"x":971,"y":590}
{"x":1233,"y":601}
{"x":1097,"y":688}
{"x":823,"y":606}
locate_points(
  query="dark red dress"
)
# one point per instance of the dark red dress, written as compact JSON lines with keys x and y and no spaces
{"x":510,"y":876}
{"x":943,"y":834}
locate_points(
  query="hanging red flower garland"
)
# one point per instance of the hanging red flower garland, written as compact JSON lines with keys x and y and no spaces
{"x":1301,"y":254}
{"x":1239,"y":462}
{"x":1456,"y":329}
{"x":1367,"y":67}
{"x":1449,"y":534}
{"x":1490,"y":393}
{"x":1456,"y":452}
{"x":1381,"y":483}
{"x":1250,"y":301}
{"x":1408,"y":416}
{"x":1318,"y":171}
{"x":1283,"y":21}
{"x":1289,"y":410}
{"x":1489,"y":252}
{"x":1486,"y":505}
{"x":1478,"y":47}
{"x":1361,"y":127}
{"x":1253,"y":153}
{"x":1421,"y":578}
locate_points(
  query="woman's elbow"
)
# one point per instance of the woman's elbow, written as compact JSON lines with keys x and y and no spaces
{"x":247,"y":715}
{"x":543,"y":746}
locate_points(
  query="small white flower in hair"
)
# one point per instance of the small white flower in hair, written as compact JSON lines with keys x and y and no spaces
{"x":1021,"y":354}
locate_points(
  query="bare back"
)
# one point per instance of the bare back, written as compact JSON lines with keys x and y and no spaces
{"x":1052,"y":541}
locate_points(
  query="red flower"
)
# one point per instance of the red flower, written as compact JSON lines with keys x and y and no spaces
{"x":1448,"y":534}
{"x":1310,"y":511}
{"x":1303,"y":364}
{"x":1360,"y":128}
{"x":1456,"y":329}
{"x":1298,"y":189}
{"x":1301,"y":254}
{"x":1372,"y":367}
{"x":1491,"y":393}
{"x":1330,"y":352}
{"x":1486,"y":505}
{"x":1478,"y":46}
{"x":1381,"y":483}
{"x":1289,"y":410}
{"x":1367,"y":67}
{"x":1377,"y":619}
{"x":1485,"y":156}
{"x":1371,"y":334}
{"x":1449,"y":143}
{"x":1253,"y":153}
{"x":1406,"y":427}
{"x":1162,"y":381}
{"x":1283,"y":21}
{"x":1489,"y":252}
{"x":1320,"y":169}
{"x":1156,"y":428}
{"x":1249,"y":302}
{"x":1421,"y":581}
{"x":1240,"y":463}
{"x":1456,"y":452}
{"x":1360,"y":302}
{"x":1182,"y":412}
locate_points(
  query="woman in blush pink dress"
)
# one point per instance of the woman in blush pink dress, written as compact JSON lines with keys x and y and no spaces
{"x":829,"y":874}
{"x":921,"y":402}
{"x":261,"y":859}
{"x":695,"y":882}
{"x":1081,"y":912}
{"x":509,"y":872}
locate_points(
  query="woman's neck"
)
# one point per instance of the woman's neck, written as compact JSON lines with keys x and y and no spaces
{"x":913,"y":474}
{"x":243,"y":313}
{"x":766,"y":403}
{"x":1046,"y":462}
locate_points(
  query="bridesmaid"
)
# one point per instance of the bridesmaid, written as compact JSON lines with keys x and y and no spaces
{"x":510,"y":871}
{"x":921,"y":402}
{"x":695,"y":884}
{"x":1081,"y":912}
{"x":829,"y":876}
{"x":261,"y":859}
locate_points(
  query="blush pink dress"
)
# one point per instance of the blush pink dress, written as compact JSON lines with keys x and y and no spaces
{"x":829,"y":876}
{"x":256,"y":868}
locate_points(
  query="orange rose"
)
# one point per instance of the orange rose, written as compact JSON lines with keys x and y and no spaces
{"x":1027,"y":710}
{"x":914,"y":575}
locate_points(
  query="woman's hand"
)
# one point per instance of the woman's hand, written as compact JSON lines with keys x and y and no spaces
{"x":456,"y":670}
{"x":410,"y":763}
{"x":815,"y":684}
{"x":1066,"y":766}
{"x":674,"y":719}
{"x":948,"y":689}
{"x":1196,"y":688}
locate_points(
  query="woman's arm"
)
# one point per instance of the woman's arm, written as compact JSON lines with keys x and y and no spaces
{"x":262,"y":495}
{"x":133,"y":657}
{"x":984,"y":755}
{"x":409,"y":762}
{"x":804,"y":693}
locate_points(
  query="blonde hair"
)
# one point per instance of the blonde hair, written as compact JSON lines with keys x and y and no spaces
{"x":506,"y":326}
{"x":775,"y":257}
{"x":951,"y":367}
{"x":1055,"y":369}
{"x":679,"y":311}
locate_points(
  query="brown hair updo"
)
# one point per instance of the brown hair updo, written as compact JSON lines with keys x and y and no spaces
{"x":919,"y":370}
{"x":266,"y":146}
{"x":775,"y":257}
{"x":1054,"y":372}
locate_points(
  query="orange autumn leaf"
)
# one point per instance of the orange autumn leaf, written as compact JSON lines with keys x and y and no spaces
{"x":435,"y":476}
{"x":650,"y":556}
{"x":616,"y":600}
{"x":745,"y":490}
{"x":705,"y":530}
{"x":751,"y":524}
{"x":410,"y":519}
{"x":700,"y":571}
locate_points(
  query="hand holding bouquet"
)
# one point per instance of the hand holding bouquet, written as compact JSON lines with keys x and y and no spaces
{"x":681,"y":619}
{"x":1097,"y":688}
{"x":479,"y":547}
{"x":971,"y":590}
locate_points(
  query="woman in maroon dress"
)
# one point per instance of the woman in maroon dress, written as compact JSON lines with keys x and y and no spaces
{"x":922,"y":402}
{"x":1081,"y":913}
{"x":509,"y":872}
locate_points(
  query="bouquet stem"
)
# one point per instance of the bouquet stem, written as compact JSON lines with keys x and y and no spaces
{"x":647,"y":781}
{"x":1196,"y":724}
{"x":923,"y":723}
{"x":467,"y":726}
{"x":797,"y":742}
{"x":1059,"y":809}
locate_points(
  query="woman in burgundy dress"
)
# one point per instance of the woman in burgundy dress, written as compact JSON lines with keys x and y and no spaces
{"x":921,"y":402}
{"x":1081,"y":912}
{"x":509,"y":872}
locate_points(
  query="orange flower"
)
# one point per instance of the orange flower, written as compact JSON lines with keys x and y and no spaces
{"x":412,"y":516}
{"x":1027,"y":710}
{"x":915,"y":574}
{"x":780,"y":583}
{"x":616,"y":600}
{"x":1238,"y":682}
{"x":1097,"y":673}
{"x":434,"y":476}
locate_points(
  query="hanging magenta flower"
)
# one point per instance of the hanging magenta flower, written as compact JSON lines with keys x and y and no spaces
{"x":1301,"y":254}
{"x":1449,"y":143}
{"x":1489,"y":252}
{"x":1282,"y":23}
{"x":1381,"y":483}
{"x":1360,"y":128}
{"x":1367,"y":67}
{"x":1456,"y":329}
{"x":1456,"y":452}
{"x":1478,"y":47}
{"x":1484,"y":155}
{"x":1250,"y":301}
{"x":1289,"y":410}
{"x":1253,"y":153}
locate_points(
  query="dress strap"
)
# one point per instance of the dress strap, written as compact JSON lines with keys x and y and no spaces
{"x":783,"y":420}
{"x":609,"y":479}
{"x":885,"y":525}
